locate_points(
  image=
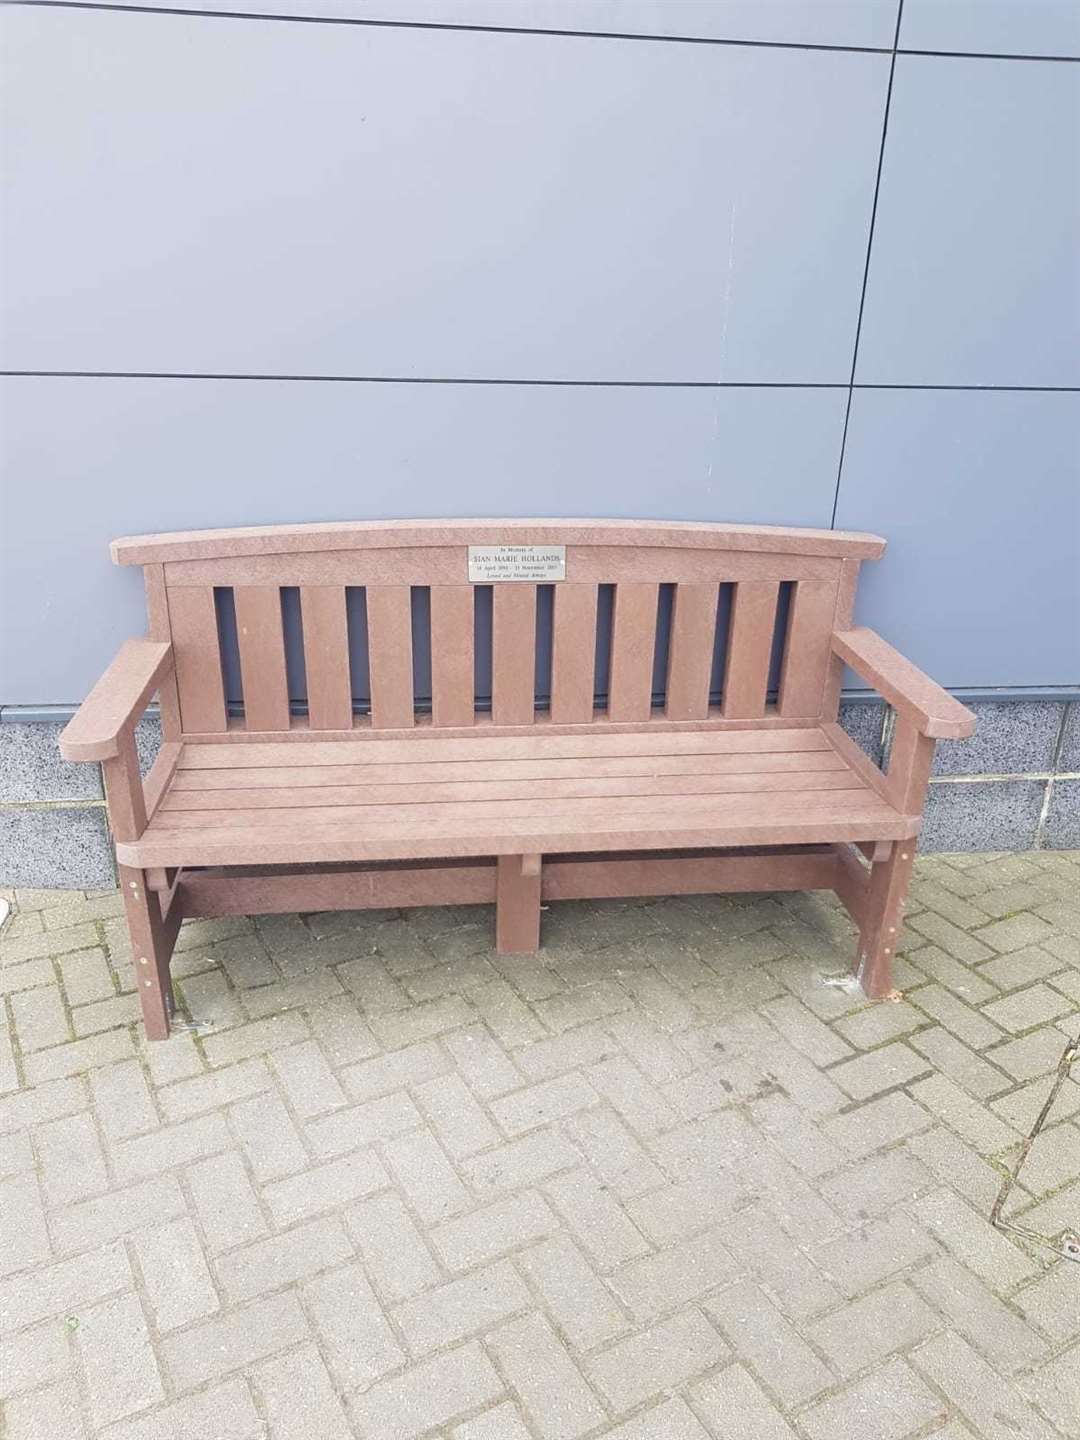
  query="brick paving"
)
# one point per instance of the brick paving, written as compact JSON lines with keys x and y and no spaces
{"x":671,"y":1179}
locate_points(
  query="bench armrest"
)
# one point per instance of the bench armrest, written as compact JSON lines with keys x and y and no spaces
{"x":932,"y":710}
{"x":116,"y":701}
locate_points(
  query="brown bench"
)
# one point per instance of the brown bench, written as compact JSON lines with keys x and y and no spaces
{"x":317,"y":802}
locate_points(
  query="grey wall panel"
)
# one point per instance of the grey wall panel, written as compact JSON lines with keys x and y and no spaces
{"x":86,"y":460}
{"x":778,"y":22}
{"x":977,"y":494}
{"x":994,"y":27}
{"x":975,"y":272}
{"x":199,"y":195}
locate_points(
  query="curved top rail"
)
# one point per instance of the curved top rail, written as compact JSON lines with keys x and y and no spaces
{"x":404,"y":534}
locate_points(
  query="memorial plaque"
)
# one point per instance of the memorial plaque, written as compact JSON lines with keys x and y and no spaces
{"x":539,"y":564}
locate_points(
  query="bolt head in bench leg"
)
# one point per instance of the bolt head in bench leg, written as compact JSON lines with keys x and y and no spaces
{"x":517,"y":905}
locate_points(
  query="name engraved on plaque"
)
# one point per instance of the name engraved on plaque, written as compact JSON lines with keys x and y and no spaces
{"x":539,"y":563}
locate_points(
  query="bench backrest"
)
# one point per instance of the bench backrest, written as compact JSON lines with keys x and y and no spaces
{"x":337,"y":628}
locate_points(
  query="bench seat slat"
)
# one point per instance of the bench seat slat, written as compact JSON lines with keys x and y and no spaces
{"x":429,"y":772}
{"x":618,"y":786}
{"x":371,"y":750}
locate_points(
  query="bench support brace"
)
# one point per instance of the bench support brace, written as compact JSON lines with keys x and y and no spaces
{"x":517,"y":905}
{"x":152,"y":941}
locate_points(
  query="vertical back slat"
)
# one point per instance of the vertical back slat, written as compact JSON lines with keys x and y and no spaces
{"x":753,"y":620}
{"x":452,"y":673}
{"x":513,"y":654}
{"x":260,"y":637}
{"x":157,"y":617}
{"x":193,"y":622}
{"x":573,"y":654}
{"x":690,"y":656}
{"x":633,"y":643}
{"x":843,"y":619}
{"x":390,"y":659}
{"x":326,"y":657}
{"x":808,"y":648}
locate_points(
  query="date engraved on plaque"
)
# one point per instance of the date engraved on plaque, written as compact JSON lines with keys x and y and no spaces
{"x":490,"y":564}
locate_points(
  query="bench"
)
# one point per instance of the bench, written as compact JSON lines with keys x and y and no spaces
{"x":458,"y":712}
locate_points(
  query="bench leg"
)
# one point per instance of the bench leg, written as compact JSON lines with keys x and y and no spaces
{"x":883,"y":916}
{"x":517,"y":905}
{"x":151,"y":948}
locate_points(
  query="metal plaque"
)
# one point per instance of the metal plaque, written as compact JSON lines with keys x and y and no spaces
{"x":490,"y":564}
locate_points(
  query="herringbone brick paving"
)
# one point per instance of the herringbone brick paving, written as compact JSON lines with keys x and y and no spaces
{"x":671,"y":1179}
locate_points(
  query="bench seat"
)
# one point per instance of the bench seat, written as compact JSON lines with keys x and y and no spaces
{"x":347,"y":800}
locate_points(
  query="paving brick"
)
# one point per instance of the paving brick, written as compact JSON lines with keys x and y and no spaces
{"x":953,"y":1058}
{"x":356,"y":1336}
{"x":1014,"y":933}
{"x":596,"y":1219}
{"x":48,"y":1414}
{"x":283,"y":1259}
{"x":973,"y":1310}
{"x":256,"y":1038}
{"x":122,"y":1100}
{"x":879,"y":1070}
{"x":542,"y":1104}
{"x":121,"y":1371}
{"x":949,"y":937}
{"x":49,"y":942}
{"x":176,"y":1280}
{"x":520,"y":1163}
{"x":174,"y":1061}
{"x":506,"y":1015}
{"x":461,"y":1308}
{"x":119,"y":1212}
{"x":893,"y":1400}
{"x":1021,"y":967}
{"x":225,"y":1412}
{"x":963,"y":980}
{"x":575,"y":1007}
{"x":991,"y":1403}
{"x":876,"y":1185}
{"x":615,"y":1156}
{"x":502,"y":1423}
{"x":1024,"y":1009}
{"x":662,"y":1358}
{"x":768,"y":1342}
{"x":1030,"y":1057}
{"x":878,"y":1024}
{"x":878,"y":1123}
{"x":686,"y":1271}
{"x":298,"y":1398}
{"x":758,"y":1242}
{"x":969,"y":1237}
{"x":872,"y":1327}
{"x":233,"y":1341}
{"x":805,"y":1031}
{"x":40,"y":1017}
{"x":481,"y":1063}
{"x":85,"y":976}
{"x":1055,"y":1388}
{"x":72,"y":1163}
{"x":24,"y":1236}
{"x":357,"y":1125}
{"x":1050,"y":1303}
{"x":309,"y":1084}
{"x":105,"y":1014}
{"x":173,"y":1145}
{"x":33,"y":1357}
{"x":572,"y":1293}
{"x":736,"y":1406}
{"x":1053,"y":1159}
{"x":426,"y":1177}
{"x":207,"y":1092}
{"x":384,"y":1073}
{"x":324,"y":1187}
{"x":572,"y":1050}
{"x":63,"y":1287}
{"x":269,"y":1139}
{"x":874,"y":1252}
{"x":459,"y":1122}
{"x":485,"y":1234}
{"x":639,"y":1103}
{"x":397,"y":1259}
{"x":428,"y":1395}
{"x":77,"y":1057}
{"x":16,"y":1154}
{"x":25,"y":975}
{"x":960,"y":1019}
{"x":226,"y":1204}
{"x":550,"y":1386}
{"x":971,"y":1121}
{"x":422,"y":1021}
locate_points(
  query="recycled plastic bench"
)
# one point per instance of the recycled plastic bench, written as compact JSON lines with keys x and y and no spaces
{"x":712,"y":761}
